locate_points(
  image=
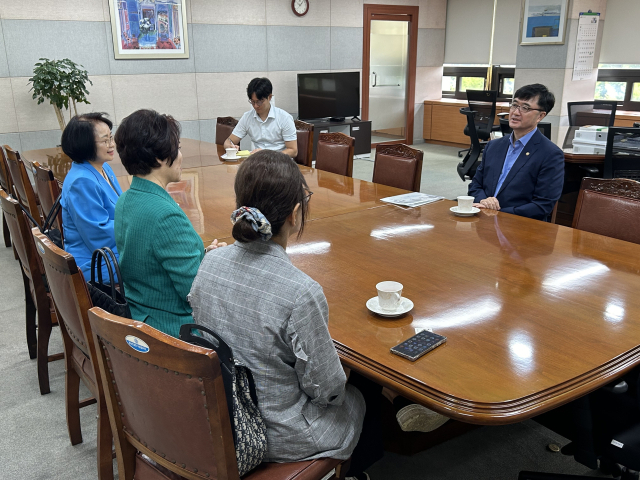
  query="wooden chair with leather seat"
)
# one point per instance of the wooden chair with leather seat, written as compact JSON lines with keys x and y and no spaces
{"x":609,"y":207}
{"x":37,"y":297}
{"x":166,"y":400}
{"x":48,"y":191}
{"x":22,"y":187}
{"x":224,"y":128}
{"x":304,"y":131}
{"x":6,"y":184}
{"x":399,"y":166}
{"x":335,"y":153}
{"x":72,"y":302}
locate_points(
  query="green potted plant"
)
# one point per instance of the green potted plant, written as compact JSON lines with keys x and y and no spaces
{"x":60,"y":81}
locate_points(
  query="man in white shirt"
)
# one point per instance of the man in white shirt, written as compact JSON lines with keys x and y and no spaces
{"x":268,"y":126}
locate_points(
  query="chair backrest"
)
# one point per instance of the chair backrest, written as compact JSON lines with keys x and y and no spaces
{"x":304,"y":132}
{"x":69,"y":291}
{"x":335,"y":153}
{"x":6,"y":183}
{"x":609,"y":207}
{"x":468,"y":166}
{"x":545,"y":129}
{"x":165,"y":399}
{"x":484,"y":103}
{"x":504,"y":127}
{"x":48,"y":191}
{"x":23,"y":241}
{"x":224,"y":128}
{"x":21,"y":183}
{"x":398,"y":166}
{"x":593,"y":112}
{"x":622,"y":156}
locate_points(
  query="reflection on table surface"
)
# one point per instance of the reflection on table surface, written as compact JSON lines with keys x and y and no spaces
{"x":332,"y":195}
{"x":535,"y":314}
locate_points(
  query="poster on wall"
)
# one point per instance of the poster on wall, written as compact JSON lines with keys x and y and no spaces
{"x":543,"y":22}
{"x":149,"y":29}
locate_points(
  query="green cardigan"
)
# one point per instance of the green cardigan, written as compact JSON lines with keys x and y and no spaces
{"x":160,"y":254}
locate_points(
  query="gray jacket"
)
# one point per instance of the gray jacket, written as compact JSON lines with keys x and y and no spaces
{"x":275,"y":317}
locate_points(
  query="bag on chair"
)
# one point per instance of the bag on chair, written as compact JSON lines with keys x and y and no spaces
{"x":249,"y":430}
{"x":106,"y":296}
{"x":52,"y":234}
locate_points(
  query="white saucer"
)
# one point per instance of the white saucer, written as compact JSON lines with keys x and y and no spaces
{"x":405,"y":306}
{"x":473,"y":211}
{"x":224,"y":157}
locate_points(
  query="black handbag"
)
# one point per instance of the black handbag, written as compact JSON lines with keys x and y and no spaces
{"x":249,"y":430}
{"x":106,"y":296}
{"x":52,"y":234}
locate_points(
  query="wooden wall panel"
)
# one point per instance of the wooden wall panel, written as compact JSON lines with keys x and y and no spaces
{"x":426,"y":125}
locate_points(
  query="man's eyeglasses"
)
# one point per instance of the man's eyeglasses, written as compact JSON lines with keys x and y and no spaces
{"x":257,"y":103}
{"x":523,"y":108}
{"x":107,"y":141}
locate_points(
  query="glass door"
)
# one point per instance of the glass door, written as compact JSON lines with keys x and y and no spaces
{"x":388,"y":57}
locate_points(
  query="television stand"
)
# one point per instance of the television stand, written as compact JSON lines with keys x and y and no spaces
{"x":355,"y":117}
{"x":336,"y":119}
{"x":358,"y":129}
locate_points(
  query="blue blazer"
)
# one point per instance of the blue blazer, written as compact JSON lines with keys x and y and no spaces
{"x":88,"y":205}
{"x":534,"y":183}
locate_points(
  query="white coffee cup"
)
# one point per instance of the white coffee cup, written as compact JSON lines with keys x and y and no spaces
{"x":389,"y":295}
{"x":231,"y":152}
{"x":465,"y":204}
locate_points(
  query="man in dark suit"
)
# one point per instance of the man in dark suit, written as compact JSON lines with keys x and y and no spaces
{"x":523,"y":173}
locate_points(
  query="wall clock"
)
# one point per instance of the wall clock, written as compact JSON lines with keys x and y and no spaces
{"x":300,"y":7}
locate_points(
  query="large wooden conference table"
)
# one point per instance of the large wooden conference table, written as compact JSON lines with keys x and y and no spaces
{"x":535,"y":314}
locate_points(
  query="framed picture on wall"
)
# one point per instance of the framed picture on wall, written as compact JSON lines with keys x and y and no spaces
{"x":149,"y":29}
{"x":543,"y":22}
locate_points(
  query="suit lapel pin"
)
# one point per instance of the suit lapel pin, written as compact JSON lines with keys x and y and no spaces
{"x":527,"y":153}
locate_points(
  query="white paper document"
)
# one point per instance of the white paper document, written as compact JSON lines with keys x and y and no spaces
{"x":414,"y":199}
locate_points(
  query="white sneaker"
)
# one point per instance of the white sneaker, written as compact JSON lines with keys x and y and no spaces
{"x":416,"y":418}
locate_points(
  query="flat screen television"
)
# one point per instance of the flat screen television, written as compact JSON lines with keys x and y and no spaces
{"x":335,"y":95}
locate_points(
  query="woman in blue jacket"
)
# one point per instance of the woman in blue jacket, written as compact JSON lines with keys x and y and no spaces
{"x":90,"y":189}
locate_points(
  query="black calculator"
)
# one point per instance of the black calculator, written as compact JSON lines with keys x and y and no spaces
{"x":418,"y":345}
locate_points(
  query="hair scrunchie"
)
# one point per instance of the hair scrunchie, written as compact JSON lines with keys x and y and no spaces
{"x":258,"y":221}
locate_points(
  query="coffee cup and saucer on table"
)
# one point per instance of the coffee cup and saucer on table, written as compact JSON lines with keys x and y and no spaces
{"x":231,"y":155}
{"x":389,"y":302}
{"x":465,"y":207}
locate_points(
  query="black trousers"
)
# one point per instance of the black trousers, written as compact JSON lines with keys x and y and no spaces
{"x":370,"y":446}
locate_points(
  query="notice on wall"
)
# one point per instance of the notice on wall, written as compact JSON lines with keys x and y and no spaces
{"x":585,"y":46}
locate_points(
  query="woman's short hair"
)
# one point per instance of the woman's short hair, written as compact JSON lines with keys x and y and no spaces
{"x":271,"y":182}
{"x":144,"y":137}
{"x":78,"y":138}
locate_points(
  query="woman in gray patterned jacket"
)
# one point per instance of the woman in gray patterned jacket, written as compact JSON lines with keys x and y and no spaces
{"x":274,"y":317}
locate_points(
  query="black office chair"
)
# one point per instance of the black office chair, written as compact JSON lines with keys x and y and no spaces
{"x":622,"y":156}
{"x":594,"y":112}
{"x":484,"y":103}
{"x":467,"y":167}
{"x":544,"y":127}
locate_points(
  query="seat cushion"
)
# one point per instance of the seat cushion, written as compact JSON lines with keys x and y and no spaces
{"x":310,"y":470}
{"x":147,"y":469}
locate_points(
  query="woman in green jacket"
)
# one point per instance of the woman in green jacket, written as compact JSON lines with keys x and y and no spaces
{"x":160,"y":252}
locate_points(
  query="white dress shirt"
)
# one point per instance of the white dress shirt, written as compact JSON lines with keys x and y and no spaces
{"x":269,"y":134}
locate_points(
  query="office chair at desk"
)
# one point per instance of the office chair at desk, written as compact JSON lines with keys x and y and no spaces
{"x":622,"y":156}
{"x":484,"y":103}
{"x":467,"y":167}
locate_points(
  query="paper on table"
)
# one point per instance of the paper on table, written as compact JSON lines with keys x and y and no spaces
{"x":414,"y":199}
